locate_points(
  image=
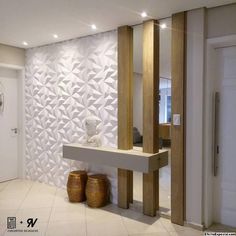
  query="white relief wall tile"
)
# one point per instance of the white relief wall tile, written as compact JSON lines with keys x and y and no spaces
{"x":66,"y":82}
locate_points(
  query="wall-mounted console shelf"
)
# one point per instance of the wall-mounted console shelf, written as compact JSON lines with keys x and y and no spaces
{"x":134,"y":159}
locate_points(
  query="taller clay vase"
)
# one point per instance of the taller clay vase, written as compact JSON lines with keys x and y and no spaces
{"x":76,"y":185}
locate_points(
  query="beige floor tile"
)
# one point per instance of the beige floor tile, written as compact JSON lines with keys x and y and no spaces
{"x":21,"y":181}
{"x":3,"y":185}
{"x":49,"y":204}
{"x":61,"y":198}
{"x":16,"y":189}
{"x":221,"y":228}
{"x":19,"y":185}
{"x":41,"y":188}
{"x":68,"y":228}
{"x":70,"y":213}
{"x":39,"y":196}
{"x":10,"y":203}
{"x":169,"y":226}
{"x":137,"y":223}
{"x":42,"y":214}
{"x":110,"y":212}
{"x":68,"y":205}
{"x":151,"y":234}
{"x":174,"y":229}
{"x":11,"y":195}
{"x":187,"y":232}
{"x":135,"y":227}
{"x":39,"y":201}
{"x":2,"y":231}
{"x":107,"y":227}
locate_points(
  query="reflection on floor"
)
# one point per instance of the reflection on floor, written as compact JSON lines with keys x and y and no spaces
{"x":165,"y":187}
{"x":25,"y":199}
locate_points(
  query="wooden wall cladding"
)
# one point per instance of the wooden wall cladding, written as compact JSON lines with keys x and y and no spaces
{"x":150,"y":112}
{"x":125,"y":110}
{"x":178,"y":107}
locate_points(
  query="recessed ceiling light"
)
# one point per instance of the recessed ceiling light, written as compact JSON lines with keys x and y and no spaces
{"x":144,"y":14}
{"x":55,"y":36}
{"x":25,"y":43}
{"x":163,"y":26}
{"x":93,"y":26}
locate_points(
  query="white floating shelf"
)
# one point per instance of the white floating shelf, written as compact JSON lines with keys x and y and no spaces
{"x":133,"y":159}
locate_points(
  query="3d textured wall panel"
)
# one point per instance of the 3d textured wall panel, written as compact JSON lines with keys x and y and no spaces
{"x":65,"y":82}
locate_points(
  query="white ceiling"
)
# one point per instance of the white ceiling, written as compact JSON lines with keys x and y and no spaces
{"x":35,"y":21}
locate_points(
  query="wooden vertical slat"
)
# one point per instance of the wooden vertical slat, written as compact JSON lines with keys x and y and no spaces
{"x":125,"y":110}
{"x":150,"y":86}
{"x":131,"y":186}
{"x":178,"y":107}
{"x":150,"y":112}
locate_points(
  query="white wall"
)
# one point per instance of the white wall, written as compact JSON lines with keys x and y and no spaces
{"x":221,"y":21}
{"x":8,"y":73}
{"x":194,"y":115}
{"x":12,"y":55}
{"x":65,"y":83}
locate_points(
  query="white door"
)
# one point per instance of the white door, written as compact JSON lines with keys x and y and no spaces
{"x":225,"y":181}
{"x":8,"y":122}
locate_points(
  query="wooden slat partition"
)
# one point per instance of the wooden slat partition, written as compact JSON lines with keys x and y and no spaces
{"x":125,"y":110}
{"x":178,"y":107}
{"x":150,"y":112}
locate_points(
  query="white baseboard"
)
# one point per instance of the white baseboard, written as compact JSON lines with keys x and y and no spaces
{"x":193,"y":225}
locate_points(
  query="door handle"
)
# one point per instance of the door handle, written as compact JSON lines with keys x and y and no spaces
{"x":216,"y":148}
{"x":1,"y":102}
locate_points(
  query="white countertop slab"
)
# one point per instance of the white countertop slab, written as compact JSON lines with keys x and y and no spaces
{"x":133,"y":159}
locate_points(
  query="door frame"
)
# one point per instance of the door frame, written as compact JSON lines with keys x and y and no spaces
{"x":211,"y":45}
{"x":21,"y":118}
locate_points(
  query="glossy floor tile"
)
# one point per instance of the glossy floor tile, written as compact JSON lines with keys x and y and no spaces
{"x":56,"y":216}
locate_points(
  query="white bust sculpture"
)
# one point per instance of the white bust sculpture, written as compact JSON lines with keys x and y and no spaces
{"x":92,"y":135}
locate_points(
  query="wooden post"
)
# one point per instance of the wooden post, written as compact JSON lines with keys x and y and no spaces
{"x":150,"y":112}
{"x":125,"y":110}
{"x":178,"y":104}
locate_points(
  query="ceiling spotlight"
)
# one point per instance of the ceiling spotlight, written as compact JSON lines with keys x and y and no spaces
{"x":25,"y":43}
{"x":93,"y":26}
{"x":55,"y":36}
{"x":163,"y":26}
{"x":144,"y":14}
